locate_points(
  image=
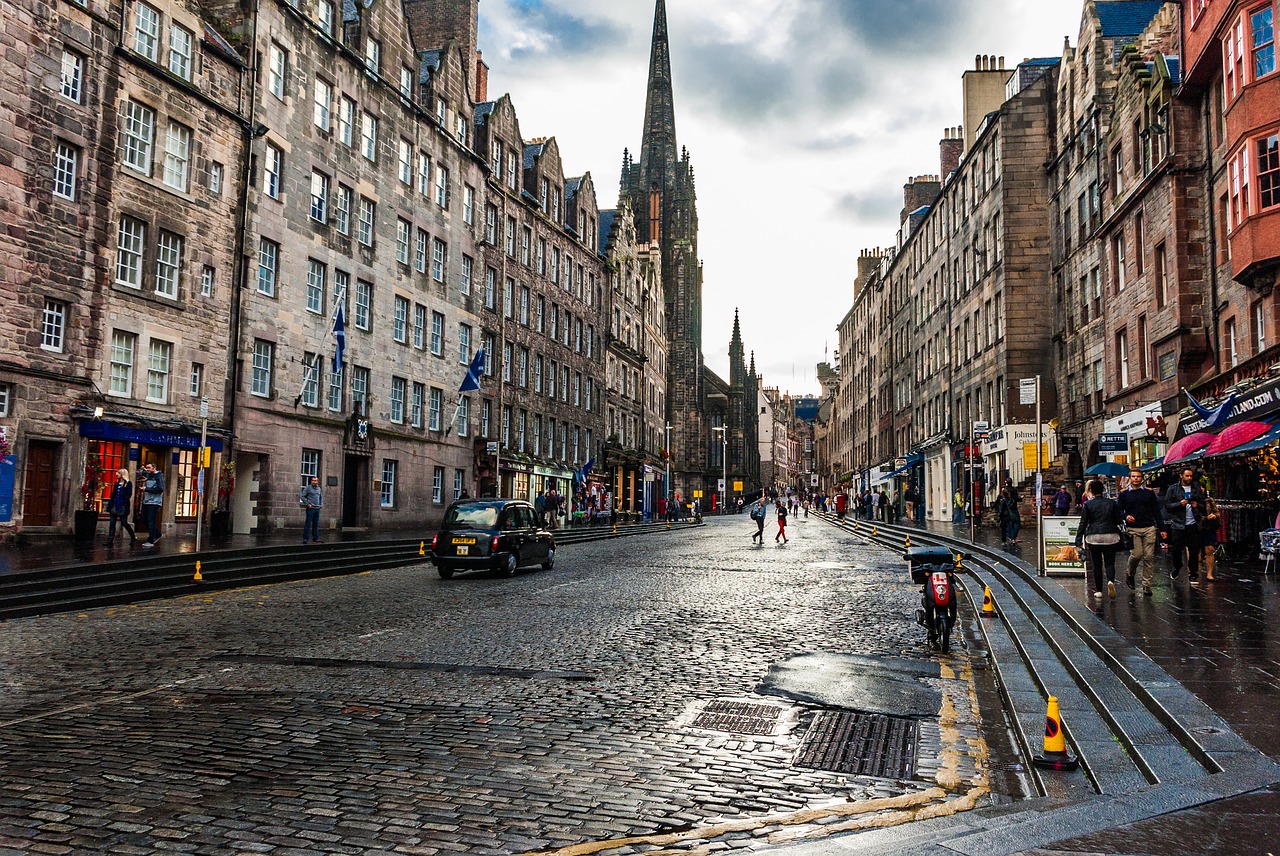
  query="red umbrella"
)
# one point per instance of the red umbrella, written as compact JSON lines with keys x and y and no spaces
{"x":1237,"y":435}
{"x":1188,"y":445}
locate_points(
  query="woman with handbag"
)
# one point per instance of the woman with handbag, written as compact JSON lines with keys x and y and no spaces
{"x":1209,"y":524}
{"x":1099,"y":529}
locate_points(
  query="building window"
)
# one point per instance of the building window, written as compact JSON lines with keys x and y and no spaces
{"x":491,"y":224}
{"x":364,"y":227}
{"x":129,"y":243}
{"x":406,"y":82}
{"x":123,"y":346}
{"x":319,"y":197}
{"x":139,"y":136}
{"x":342,"y":210}
{"x":490,"y":287}
{"x":322,"y":100}
{"x":369,"y":137}
{"x":439,"y":259}
{"x":419,"y":396}
{"x":316,"y":276}
{"x":169,"y":264}
{"x":264,"y":354}
{"x":1139,"y":243}
{"x":72,"y":78}
{"x":276,"y":71}
{"x":424,"y":174}
{"x":146,"y":32}
{"x":1269,"y":171}
{"x":346,"y":121}
{"x":464,"y":284}
{"x":1122,"y":357}
{"x":268,"y":266}
{"x":404,"y":163}
{"x":161,"y":355}
{"x":180,"y":41}
{"x":324,"y":17}
{"x":1259,"y":328}
{"x":387,"y":497}
{"x":435,"y":402}
{"x":420,"y":252}
{"x":335,"y":389}
{"x":403,"y":230}
{"x":442,"y":187}
{"x":373,"y":55}
{"x":207,"y":274}
{"x":66,"y":166}
{"x":464,"y":416}
{"x":310,"y":467}
{"x":397,"y":399}
{"x":1229,"y":343}
{"x":468,"y":204}
{"x":1162,"y":276}
{"x":364,"y":302}
{"x":419,"y":326}
{"x":486,"y":416}
{"x":1262,"y":30}
{"x":464,"y":344}
{"x":360,"y":390}
{"x":400,"y":320}
{"x":1144,"y":368}
{"x":53,"y":325}
{"x":272,"y":171}
{"x":312,"y":366}
{"x":215,"y":178}
{"x":437,"y":334}
{"x":458,"y":477}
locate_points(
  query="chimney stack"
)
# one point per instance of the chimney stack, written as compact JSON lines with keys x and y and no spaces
{"x":950,"y":149}
{"x":918,"y":191}
{"x":482,"y":79}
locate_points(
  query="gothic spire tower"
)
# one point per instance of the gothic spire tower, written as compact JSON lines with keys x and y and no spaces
{"x":660,"y":180}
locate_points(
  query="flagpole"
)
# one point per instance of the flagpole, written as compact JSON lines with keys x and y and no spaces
{"x":339,"y":300}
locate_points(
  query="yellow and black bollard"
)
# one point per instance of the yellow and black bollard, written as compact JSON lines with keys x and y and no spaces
{"x":199,"y":577}
{"x":422,"y":548}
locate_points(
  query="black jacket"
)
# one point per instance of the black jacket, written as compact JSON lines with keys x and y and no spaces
{"x":1175,"y":513}
{"x":1143,"y":504}
{"x":1100,"y":516}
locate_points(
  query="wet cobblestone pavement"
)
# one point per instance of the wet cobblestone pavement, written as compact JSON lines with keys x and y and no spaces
{"x":395,"y":711}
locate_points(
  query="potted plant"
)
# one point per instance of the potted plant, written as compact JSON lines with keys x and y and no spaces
{"x":220,"y":520}
{"x":86,"y":518}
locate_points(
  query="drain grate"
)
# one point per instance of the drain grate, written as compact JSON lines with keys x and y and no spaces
{"x":738,"y":717}
{"x":862,"y":744}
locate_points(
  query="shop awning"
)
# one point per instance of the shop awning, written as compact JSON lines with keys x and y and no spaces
{"x":911,"y":462}
{"x":1267,"y":439}
{"x":1152,"y":465}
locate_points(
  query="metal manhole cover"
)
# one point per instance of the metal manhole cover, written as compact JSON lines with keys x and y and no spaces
{"x":738,"y":717}
{"x":862,"y":744}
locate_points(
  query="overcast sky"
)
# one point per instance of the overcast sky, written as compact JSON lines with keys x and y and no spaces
{"x":803,"y":119}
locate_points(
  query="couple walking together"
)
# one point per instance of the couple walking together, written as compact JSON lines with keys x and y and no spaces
{"x":758,"y":514}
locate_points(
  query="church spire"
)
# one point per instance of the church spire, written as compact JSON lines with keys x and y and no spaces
{"x":737,"y":370}
{"x":658,"y":148}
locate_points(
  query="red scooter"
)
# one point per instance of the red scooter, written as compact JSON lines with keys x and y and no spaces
{"x":934,"y":568}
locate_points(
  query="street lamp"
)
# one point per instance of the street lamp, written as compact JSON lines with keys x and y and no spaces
{"x":668,"y":485}
{"x":724,"y":462}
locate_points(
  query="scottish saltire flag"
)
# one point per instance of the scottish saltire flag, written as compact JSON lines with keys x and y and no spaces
{"x":472,"y":381}
{"x":1216,"y":417}
{"x":339,"y":333}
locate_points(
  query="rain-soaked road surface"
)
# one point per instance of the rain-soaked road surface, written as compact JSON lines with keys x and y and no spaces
{"x":394,"y":710}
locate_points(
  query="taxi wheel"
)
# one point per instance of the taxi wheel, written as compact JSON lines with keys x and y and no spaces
{"x":445,"y":572}
{"x":512,"y":565}
{"x":551,"y":560}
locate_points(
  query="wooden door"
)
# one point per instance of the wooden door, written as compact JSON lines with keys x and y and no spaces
{"x":37,"y":490}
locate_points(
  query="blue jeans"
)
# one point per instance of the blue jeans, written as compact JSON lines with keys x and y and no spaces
{"x":957,"y":515}
{"x":150,"y":519}
{"x":1011,"y":529}
{"x":311,"y":525}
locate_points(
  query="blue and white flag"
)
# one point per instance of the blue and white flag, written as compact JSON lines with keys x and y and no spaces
{"x":339,"y":333}
{"x":1216,"y":417}
{"x":471,"y":382}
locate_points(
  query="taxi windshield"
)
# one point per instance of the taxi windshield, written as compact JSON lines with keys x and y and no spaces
{"x":472,"y":517}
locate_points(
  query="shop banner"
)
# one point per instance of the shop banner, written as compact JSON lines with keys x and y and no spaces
{"x":1061,"y":556}
{"x":8,"y":471}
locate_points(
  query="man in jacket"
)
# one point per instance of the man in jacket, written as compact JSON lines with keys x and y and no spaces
{"x":312,"y":500}
{"x":152,"y":499}
{"x":1141,"y":510}
{"x":1183,"y":508}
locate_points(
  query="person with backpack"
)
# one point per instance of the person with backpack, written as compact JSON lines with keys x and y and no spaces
{"x":757,"y":517}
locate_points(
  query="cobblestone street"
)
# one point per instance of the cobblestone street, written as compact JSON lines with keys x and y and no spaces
{"x":396,"y":711}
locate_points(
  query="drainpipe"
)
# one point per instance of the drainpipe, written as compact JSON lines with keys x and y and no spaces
{"x":1210,"y":202}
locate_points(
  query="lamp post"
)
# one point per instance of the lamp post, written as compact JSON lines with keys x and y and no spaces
{"x":667,"y":487}
{"x":724,"y":463}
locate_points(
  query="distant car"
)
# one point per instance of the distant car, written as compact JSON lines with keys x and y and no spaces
{"x":491,"y":534}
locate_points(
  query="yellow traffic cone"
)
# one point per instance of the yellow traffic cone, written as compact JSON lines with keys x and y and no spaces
{"x":988,"y":608}
{"x":422,"y":548}
{"x":875,"y":531}
{"x":906,"y":543}
{"x":199,"y":577}
{"x":1055,"y":755}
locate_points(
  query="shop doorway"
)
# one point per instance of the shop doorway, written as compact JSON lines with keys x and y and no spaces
{"x":37,"y":491}
{"x":355,"y":475}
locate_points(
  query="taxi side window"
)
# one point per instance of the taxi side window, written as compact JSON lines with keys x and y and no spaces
{"x":526,"y":517}
{"x":511,"y":519}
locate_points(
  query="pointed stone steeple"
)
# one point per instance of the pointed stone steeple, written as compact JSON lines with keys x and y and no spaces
{"x":751,"y":372}
{"x":658,"y":152}
{"x":737,"y":369}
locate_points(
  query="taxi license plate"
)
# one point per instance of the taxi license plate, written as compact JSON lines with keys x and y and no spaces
{"x":462,"y":550}
{"x":464,"y":540}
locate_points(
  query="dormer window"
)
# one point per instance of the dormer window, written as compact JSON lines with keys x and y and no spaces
{"x":442,"y":112}
{"x":513,"y":170}
{"x":460,"y":129}
{"x":373,"y":55}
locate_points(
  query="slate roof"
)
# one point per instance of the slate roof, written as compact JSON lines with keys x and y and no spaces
{"x":429,"y":61}
{"x":215,"y":40}
{"x":1126,"y":17}
{"x":571,"y":188}
{"x":484,"y":111}
{"x":349,"y":11}
{"x":606,"y":225}
{"x":532,"y":151}
{"x":1042,"y":60}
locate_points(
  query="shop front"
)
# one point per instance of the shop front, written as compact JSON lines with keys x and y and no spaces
{"x":1009,"y":455}
{"x":1146,"y":433}
{"x":936,"y":484}
{"x":517,"y":477}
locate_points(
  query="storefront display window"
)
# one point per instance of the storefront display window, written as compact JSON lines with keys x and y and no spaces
{"x":183,"y":475}
{"x":105,"y":457}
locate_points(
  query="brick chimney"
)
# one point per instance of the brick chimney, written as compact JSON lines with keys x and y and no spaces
{"x":921,"y":190}
{"x":434,"y":22}
{"x":481,"y":93}
{"x":950,"y":148}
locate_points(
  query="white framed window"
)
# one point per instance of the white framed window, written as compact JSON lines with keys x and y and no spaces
{"x":276,"y":70}
{"x":419,"y":401}
{"x":346,"y":122}
{"x":400,"y":320}
{"x":373,"y":55}
{"x":439,"y":259}
{"x":1259,"y":328}
{"x":513,"y":170}
{"x":129,"y":243}
{"x":464,"y":416}
{"x":468,"y":265}
{"x":268,"y":266}
{"x":146,"y":32}
{"x":404,"y":163}
{"x":1122,"y":357}
{"x":272,"y":171}
{"x":420,"y":252}
{"x":387,"y":497}
{"x":341,"y":289}
{"x":406,"y":81}
{"x":177,"y":156}
{"x":139,"y":136}
{"x":317,"y":273}
{"x":53,"y":325}
{"x":403,"y":230}
{"x":342,"y":210}
{"x":310,"y":468}
{"x":71,"y":84}
{"x":319,"y":197}
{"x":464,"y":344}
{"x":264,"y":355}
{"x":486,"y":416}
{"x":437,"y":334}
{"x":335,"y":389}
{"x":458,"y":478}
{"x":468,"y":204}
{"x":424,"y":174}
{"x":442,"y":186}
{"x":215,"y":178}
{"x":360,"y":389}
{"x":180,"y":42}
{"x":66,"y":168}
{"x":169,"y":264}
{"x":491,"y":224}
{"x":364,"y":226}
{"x":207,"y":276}
{"x":437,"y":485}
{"x":435,"y":405}
{"x":419,"y":326}
{"x":323,"y":98}
{"x":324,"y":17}
{"x":397,"y":399}
{"x":123,"y":346}
{"x":364,"y":303}
{"x":369,"y":137}
{"x":490,"y":288}
{"x":538,"y":369}
{"x":312,"y":366}
{"x":159,"y":360}
{"x":1229,"y":343}
{"x":195,"y":384}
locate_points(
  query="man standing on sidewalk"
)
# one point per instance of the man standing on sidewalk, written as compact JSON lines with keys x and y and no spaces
{"x":312,"y":500}
{"x":1183,"y":508}
{"x":1141,"y":511}
{"x":152,"y":499}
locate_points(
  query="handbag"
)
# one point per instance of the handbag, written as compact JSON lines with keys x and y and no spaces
{"x":1126,"y":538}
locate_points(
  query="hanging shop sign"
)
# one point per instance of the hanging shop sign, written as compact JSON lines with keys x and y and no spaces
{"x":99,"y":430}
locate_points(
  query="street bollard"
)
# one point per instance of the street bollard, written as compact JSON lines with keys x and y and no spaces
{"x":199,"y":577}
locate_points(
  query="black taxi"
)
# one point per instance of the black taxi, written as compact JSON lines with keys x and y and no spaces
{"x":491,"y":534}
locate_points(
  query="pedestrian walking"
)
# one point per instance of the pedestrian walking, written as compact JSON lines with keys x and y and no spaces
{"x":119,"y":505}
{"x":312,"y":500}
{"x":1062,"y":501}
{"x":758,"y":515}
{"x":1140,"y":508}
{"x":1183,"y":510}
{"x":957,"y":507}
{"x":782,"y":524}
{"x":152,"y":499}
{"x":1099,"y":529}
{"x":1209,"y":524}
{"x":1008,"y":516}
{"x":882,"y":505}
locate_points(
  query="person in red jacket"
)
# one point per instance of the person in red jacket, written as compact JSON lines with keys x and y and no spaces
{"x":842,"y":502}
